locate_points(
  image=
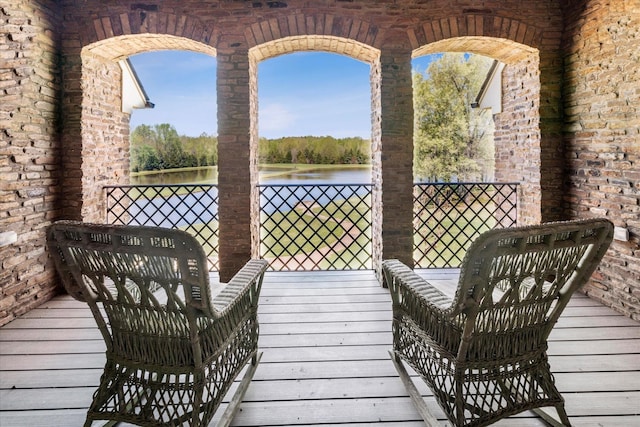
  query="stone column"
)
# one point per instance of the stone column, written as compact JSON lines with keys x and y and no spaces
{"x":234,"y":167}
{"x":392,"y":174}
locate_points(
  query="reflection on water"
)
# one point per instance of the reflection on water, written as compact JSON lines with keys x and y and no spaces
{"x":206,"y":175}
{"x":201,"y":205}
{"x":336,"y":175}
{"x":268,"y":175}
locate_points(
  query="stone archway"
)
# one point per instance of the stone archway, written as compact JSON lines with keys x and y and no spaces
{"x":292,"y":44}
{"x":102,"y":129}
{"x":527,"y":139}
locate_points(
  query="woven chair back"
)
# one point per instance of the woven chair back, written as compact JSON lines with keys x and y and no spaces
{"x":146,"y":286}
{"x":514,"y":284}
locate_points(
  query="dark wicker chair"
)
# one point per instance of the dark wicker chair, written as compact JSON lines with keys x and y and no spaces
{"x":484,"y":352}
{"x":172,"y":350}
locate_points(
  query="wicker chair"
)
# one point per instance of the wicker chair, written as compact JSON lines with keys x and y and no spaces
{"x":484,"y":352}
{"x":172,"y":351}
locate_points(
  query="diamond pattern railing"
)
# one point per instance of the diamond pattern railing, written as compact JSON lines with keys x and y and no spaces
{"x":325,"y":227}
{"x":316,"y":227}
{"x":193,"y":208}
{"x":449,"y":216}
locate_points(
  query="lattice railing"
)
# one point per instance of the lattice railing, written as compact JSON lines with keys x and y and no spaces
{"x":193,"y":208}
{"x":324,"y":227}
{"x":316,"y":227}
{"x":449,"y":216}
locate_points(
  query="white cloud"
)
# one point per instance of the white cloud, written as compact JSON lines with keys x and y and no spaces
{"x":274,"y":118}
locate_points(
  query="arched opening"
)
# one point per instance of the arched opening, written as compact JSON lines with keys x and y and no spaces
{"x":517,"y":120}
{"x":315,"y":160}
{"x":477,"y":116}
{"x":258,"y":56}
{"x":179,"y":132}
{"x":103,"y":127}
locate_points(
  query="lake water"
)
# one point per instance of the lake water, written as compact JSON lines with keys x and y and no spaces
{"x":274,"y":175}
{"x":181,"y":210}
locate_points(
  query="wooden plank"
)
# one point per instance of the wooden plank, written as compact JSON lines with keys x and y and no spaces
{"x":71,"y":377}
{"x":325,"y":339}
{"x":588,"y":311}
{"x":302,"y":283}
{"x":52,"y":361}
{"x":603,"y":347}
{"x":605,"y":421}
{"x":326,"y":299}
{"x":9,"y":335}
{"x":587,"y":363}
{"x":596,"y":322}
{"x":322,"y":308}
{"x":601,"y":333}
{"x":53,"y":347}
{"x":338,"y":353}
{"x":319,"y":412}
{"x":335,"y":388}
{"x":598,"y":403}
{"x":340,"y":316}
{"x":54,"y":324}
{"x":37,"y":399}
{"x":324,"y":370}
{"x":280,"y":277}
{"x":338,"y":288}
{"x":49,"y":313}
{"x":44,"y":418}
{"x":572,"y":382}
{"x":327,"y":327}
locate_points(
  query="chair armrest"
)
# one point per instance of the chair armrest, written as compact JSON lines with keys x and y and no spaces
{"x":246,"y":281}
{"x":421,"y":307}
{"x":398,"y":275}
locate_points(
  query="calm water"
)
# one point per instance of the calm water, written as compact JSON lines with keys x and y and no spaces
{"x":338,"y":175}
{"x":182,"y":210}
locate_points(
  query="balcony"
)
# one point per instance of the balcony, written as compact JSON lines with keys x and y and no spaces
{"x":325,"y":337}
{"x":325,"y":320}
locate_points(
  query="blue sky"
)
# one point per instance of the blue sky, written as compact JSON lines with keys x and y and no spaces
{"x":305,"y":93}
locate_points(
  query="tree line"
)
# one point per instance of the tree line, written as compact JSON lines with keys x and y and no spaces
{"x":315,"y":150}
{"x":160,"y":147}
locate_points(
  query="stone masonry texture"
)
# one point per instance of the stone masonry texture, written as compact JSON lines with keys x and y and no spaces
{"x":568,"y":133}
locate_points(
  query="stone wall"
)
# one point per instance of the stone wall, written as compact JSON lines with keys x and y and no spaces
{"x":104,"y":151}
{"x":517,"y":136}
{"x":29,"y":151}
{"x":602,"y":124}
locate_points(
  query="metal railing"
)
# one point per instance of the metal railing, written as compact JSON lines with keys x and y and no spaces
{"x":449,"y":216}
{"x":316,"y":227}
{"x":325,"y":227}
{"x":193,"y":208}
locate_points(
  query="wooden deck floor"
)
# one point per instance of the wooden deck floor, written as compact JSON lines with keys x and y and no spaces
{"x":325,"y":337}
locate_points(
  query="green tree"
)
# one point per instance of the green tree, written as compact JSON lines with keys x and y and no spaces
{"x":169,"y":146}
{"x":315,"y":149}
{"x":144,"y":153}
{"x":160,"y":147}
{"x":449,"y":135}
